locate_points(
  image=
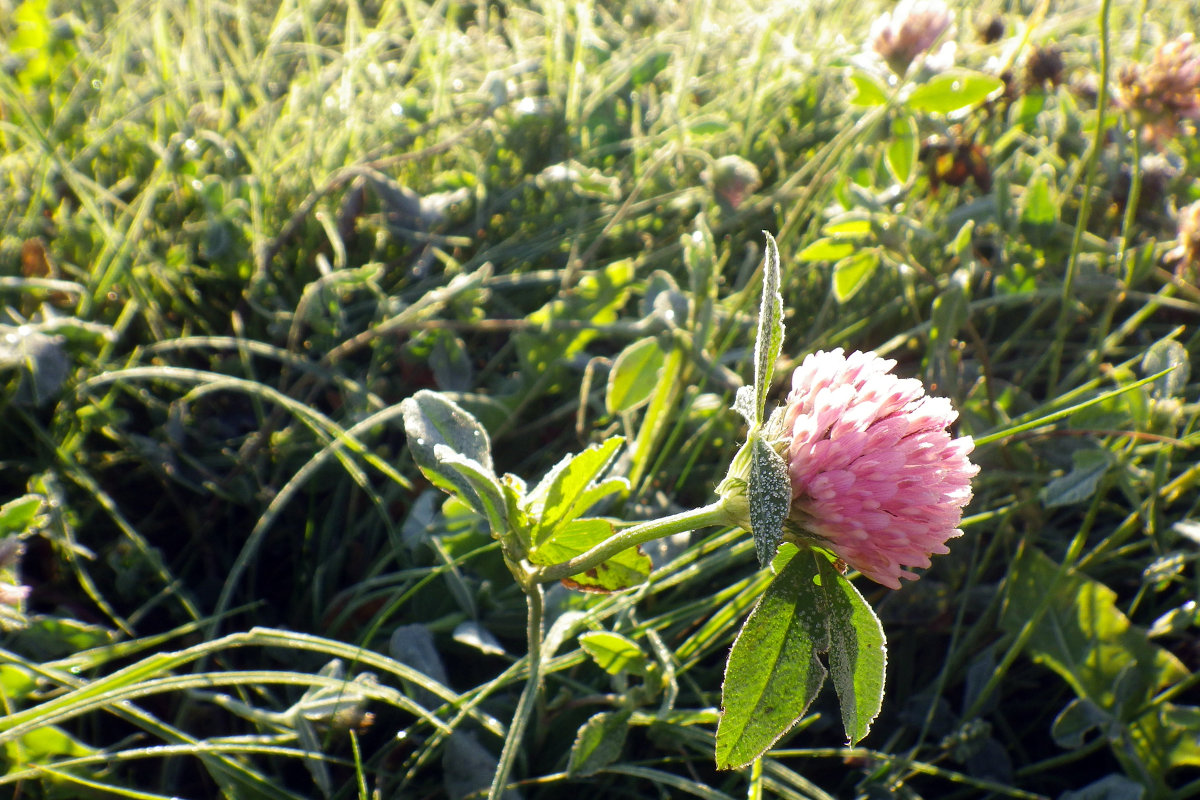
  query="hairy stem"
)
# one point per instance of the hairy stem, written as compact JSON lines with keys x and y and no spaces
{"x":712,"y":514}
{"x":516,"y":731}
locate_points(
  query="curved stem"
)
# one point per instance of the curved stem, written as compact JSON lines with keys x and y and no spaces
{"x":712,"y":514}
{"x":516,"y":730}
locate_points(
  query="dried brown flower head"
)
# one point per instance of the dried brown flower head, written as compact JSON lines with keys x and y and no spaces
{"x":1044,"y":65}
{"x":990,"y":30}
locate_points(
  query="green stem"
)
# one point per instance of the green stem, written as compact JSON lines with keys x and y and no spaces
{"x":1066,"y":310}
{"x":516,"y":730}
{"x":713,"y":514}
{"x":755,"y":790}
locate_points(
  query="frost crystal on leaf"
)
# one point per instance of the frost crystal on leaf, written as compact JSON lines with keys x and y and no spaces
{"x":770,"y":497}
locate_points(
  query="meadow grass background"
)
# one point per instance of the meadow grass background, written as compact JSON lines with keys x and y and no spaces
{"x":235,"y":235}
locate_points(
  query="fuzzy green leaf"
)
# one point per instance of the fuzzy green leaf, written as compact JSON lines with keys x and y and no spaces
{"x":486,"y":490}
{"x":1039,"y":212}
{"x":431,"y":420}
{"x":1084,"y":637}
{"x":857,"y":652}
{"x":773,"y":674}
{"x":770,"y":329}
{"x":1090,"y":466}
{"x":1161,"y":355}
{"x":770,"y":496}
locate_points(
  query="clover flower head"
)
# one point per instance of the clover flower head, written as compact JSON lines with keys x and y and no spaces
{"x":733,"y":179}
{"x":909,"y":30}
{"x":876,"y":476}
{"x":1165,"y":90}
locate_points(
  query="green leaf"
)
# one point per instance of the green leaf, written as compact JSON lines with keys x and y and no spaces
{"x":902,"y":147}
{"x":1162,"y":354}
{"x":1110,"y":787}
{"x":1039,"y":213}
{"x":848,"y":226}
{"x":857,"y":652}
{"x":633,"y":376}
{"x":708,"y":127}
{"x":951,"y":91}
{"x":770,"y":498}
{"x":45,"y":745}
{"x":1025,"y":110}
{"x":660,"y":414}
{"x":867,"y":90}
{"x":773,"y":674}
{"x":769,"y":340}
{"x":16,"y":682}
{"x":626,"y":569}
{"x":486,"y":489}
{"x":568,"y":489}
{"x":599,"y":742}
{"x":450,"y":362}
{"x":614,"y":652}
{"x":1077,"y":719}
{"x":1090,"y":467}
{"x":596,"y":298}
{"x":17,"y":515}
{"x":1084,"y":637}
{"x":431,"y":420}
{"x":826,"y":249}
{"x":851,"y":273}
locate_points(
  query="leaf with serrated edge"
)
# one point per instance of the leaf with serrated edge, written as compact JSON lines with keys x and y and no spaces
{"x":773,"y":674}
{"x":770,"y":495}
{"x":857,"y":652}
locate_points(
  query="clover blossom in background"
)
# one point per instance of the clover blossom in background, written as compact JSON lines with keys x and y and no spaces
{"x":1164,"y":91}
{"x":909,"y":30}
{"x":1186,"y":253}
{"x":876,"y":477}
